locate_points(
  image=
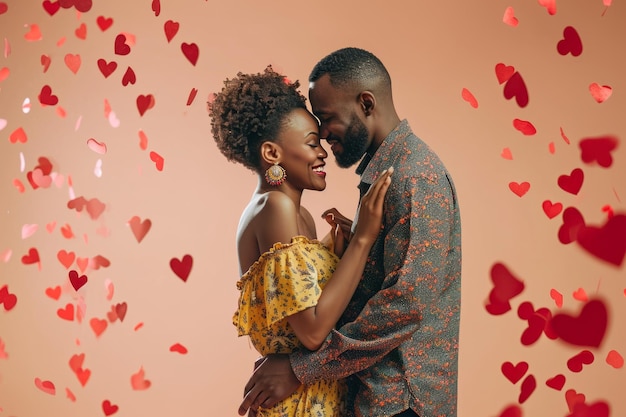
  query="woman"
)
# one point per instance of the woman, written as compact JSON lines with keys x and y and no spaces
{"x":288,"y":300}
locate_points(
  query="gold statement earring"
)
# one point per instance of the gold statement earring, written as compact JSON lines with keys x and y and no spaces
{"x":275,"y":175}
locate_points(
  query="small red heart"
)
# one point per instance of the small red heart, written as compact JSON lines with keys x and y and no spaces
{"x":519,"y":188}
{"x":98,"y":326}
{"x":573,"y":222}
{"x":104,"y":22}
{"x":573,"y":398}
{"x":191,"y":52}
{"x":177,"y":347}
{"x":106,"y":68}
{"x":120,"y":310}
{"x":528,"y":387}
{"x":577,"y":362}
{"x":129,"y":77}
{"x":51,"y":7}
{"x":536,"y":326}
{"x":121,"y":47}
{"x":139,"y":228}
{"x":81,"y":32}
{"x":145,"y":103}
{"x":514,"y":372}
{"x":570,"y":43}
{"x":505,"y":287}
{"x":550,"y":6}
{"x":171,"y":28}
{"x":469,"y":97}
{"x":109,"y":408}
{"x":504,"y":72}
{"x":95,"y":208}
{"x":99,"y":261}
{"x":83,"y":376}
{"x":77,"y":204}
{"x":32,"y":257}
{"x":598,"y":150}
{"x":557,"y":382}
{"x":157,"y":159}
{"x":573,"y":182}
{"x":552,"y":209}
{"x":54,"y":293}
{"x":45,"y":386}
{"x":192,"y":96}
{"x":46,"y":97}
{"x":525,"y":127}
{"x":607,"y":242}
{"x":76,"y":362}
{"x":586,"y":329}
{"x":73,"y":62}
{"x":138,"y":381}
{"x":156,"y":7}
{"x":182,"y":267}
{"x":76,"y":280}
{"x":18,"y":135}
{"x":516,"y":87}
{"x":600,"y":93}
{"x":9,"y":300}
{"x":66,"y":258}
{"x":66,"y":313}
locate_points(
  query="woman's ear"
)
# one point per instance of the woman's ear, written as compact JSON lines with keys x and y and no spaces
{"x":270,"y":153}
{"x":367,"y":100}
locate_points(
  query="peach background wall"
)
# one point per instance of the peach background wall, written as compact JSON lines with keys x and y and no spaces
{"x":146,"y":338}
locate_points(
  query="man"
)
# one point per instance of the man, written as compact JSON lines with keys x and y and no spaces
{"x":397,"y":342}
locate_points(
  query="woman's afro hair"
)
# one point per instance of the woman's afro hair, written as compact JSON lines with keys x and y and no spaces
{"x":250,"y":110}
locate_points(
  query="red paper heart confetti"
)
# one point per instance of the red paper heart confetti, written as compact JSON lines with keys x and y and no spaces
{"x":156,"y":7}
{"x":171,"y":29}
{"x":573,"y":221}
{"x":578,"y":361}
{"x":551,"y":209}
{"x":506,"y":154}
{"x":120,"y":310}
{"x":8,"y":299}
{"x":18,"y":135}
{"x":66,"y":258}
{"x":145,"y":103}
{"x":81,"y":31}
{"x":143,"y":140}
{"x":177,"y":347}
{"x":514,"y":372}
{"x":573,"y":398}
{"x":66,"y":313}
{"x":121,"y":47}
{"x":600,"y":93}
{"x":3,"y":353}
{"x":32,"y":257}
{"x":95,"y":208}
{"x":182,"y":267}
{"x":67,"y":232}
{"x":106,"y":68}
{"x":614,"y":359}
{"x":469,"y":97}
{"x":509,"y":17}
{"x":73,"y":62}
{"x":607,"y":242}
{"x":51,"y":7}
{"x":586,"y":329}
{"x":536,"y":327}
{"x":45,"y":62}
{"x":505,"y":287}
{"x":158,"y":160}
{"x":520,"y":189}
{"x":98,"y":262}
{"x":528,"y":387}
{"x":194,"y":91}
{"x":139,"y":228}
{"x":54,"y":293}
{"x":138,"y":382}
{"x":45,"y":386}
{"x":129,"y":77}
{"x":104,"y":22}
{"x":580,"y":295}
{"x":46,"y":97}
{"x":550,"y":6}
{"x":598,"y":150}
{"x":573,"y":182}
{"x":557,"y":297}
{"x":4,"y":73}
{"x":76,"y":280}
{"x":515,"y":87}
{"x":504,"y":72}
{"x":108,"y":408}
{"x":97,"y":147}
{"x":571,"y":43}
{"x":98,"y":326}
{"x":557,"y":382}
{"x":34,"y":33}
{"x":524,"y":126}
{"x":191,"y":52}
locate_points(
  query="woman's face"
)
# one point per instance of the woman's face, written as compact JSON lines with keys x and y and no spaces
{"x":302,"y":153}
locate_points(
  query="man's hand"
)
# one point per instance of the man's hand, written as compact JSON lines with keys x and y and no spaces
{"x":342,"y":229}
{"x":272,"y":381}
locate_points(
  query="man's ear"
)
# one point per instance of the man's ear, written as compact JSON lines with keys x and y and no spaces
{"x":367,"y":100}
{"x":271,"y":152}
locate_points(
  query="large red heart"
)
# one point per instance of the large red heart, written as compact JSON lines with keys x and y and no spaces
{"x":570,"y":43}
{"x":573,"y":182}
{"x":607,"y":242}
{"x":515,"y":87}
{"x":587,"y":329}
{"x":598,"y":150}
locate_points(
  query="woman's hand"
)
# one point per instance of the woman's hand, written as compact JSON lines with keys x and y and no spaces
{"x":371,"y":208}
{"x":341,"y":229}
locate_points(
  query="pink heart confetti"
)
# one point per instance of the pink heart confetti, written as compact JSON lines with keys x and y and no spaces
{"x":550,"y":6}
{"x":138,"y":381}
{"x":557,"y":297}
{"x":66,"y":313}
{"x":34,"y":34}
{"x":28,"y":230}
{"x":81,"y":31}
{"x":509,"y":17}
{"x":45,"y":386}
{"x":139,"y":228}
{"x":504,"y":72}
{"x":600,"y":93}
{"x":97,"y":147}
{"x":614,"y":359}
{"x":469,"y":97}
{"x":158,"y":160}
{"x":580,"y":295}
{"x":506,"y":154}
{"x":98,"y":326}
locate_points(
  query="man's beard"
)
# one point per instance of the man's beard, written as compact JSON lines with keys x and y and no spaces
{"x":354,"y":143}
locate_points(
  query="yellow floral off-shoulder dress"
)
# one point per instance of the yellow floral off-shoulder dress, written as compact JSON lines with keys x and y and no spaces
{"x":285,"y":280}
